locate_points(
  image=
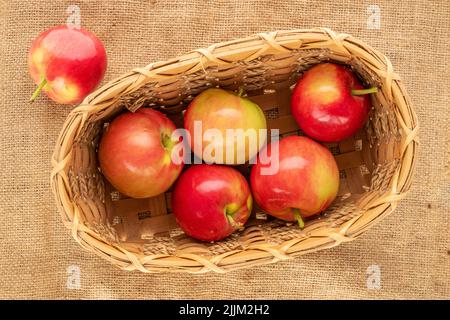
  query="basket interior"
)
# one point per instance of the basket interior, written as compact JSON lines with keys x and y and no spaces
{"x":366,"y":160}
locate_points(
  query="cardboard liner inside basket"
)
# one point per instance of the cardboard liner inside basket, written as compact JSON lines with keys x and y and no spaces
{"x":142,"y":233}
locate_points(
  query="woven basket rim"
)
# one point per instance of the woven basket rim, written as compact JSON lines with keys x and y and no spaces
{"x":221,"y":54}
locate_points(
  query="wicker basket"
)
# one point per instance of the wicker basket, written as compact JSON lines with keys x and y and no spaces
{"x":376,"y":165}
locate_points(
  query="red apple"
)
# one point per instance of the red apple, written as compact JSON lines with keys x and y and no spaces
{"x":210,"y":201}
{"x":329,"y":103}
{"x":135,"y":153}
{"x":66,"y":63}
{"x":305,"y":184}
{"x":219,"y":111}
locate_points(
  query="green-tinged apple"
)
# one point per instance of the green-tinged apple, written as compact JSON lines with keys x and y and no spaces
{"x":211,"y":201}
{"x":135,"y":153}
{"x":305,"y":183}
{"x":329,"y":103}
{"x":66,"y":63}
{"x":232,"y":128}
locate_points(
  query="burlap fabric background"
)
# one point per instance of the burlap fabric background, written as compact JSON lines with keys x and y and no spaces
{"x":411,"y":246}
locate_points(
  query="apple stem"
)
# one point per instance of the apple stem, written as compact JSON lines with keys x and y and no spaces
{"x":231,"y":220}
{"x":38,"y":90}
{"x":298,"y":217}
{"x":241,"y":91}
{"x":359,"y":92}
{"x":167,"y":141}
{"x":233,"y":223}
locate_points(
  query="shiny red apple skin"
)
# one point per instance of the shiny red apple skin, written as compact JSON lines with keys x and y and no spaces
{"x":323,"y":105}
{"x":221,"y":110}
{"x":134,"y":158}
{"x":307,"y":179}
{"x":204,"y":195}
{"x":72,"y":61}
